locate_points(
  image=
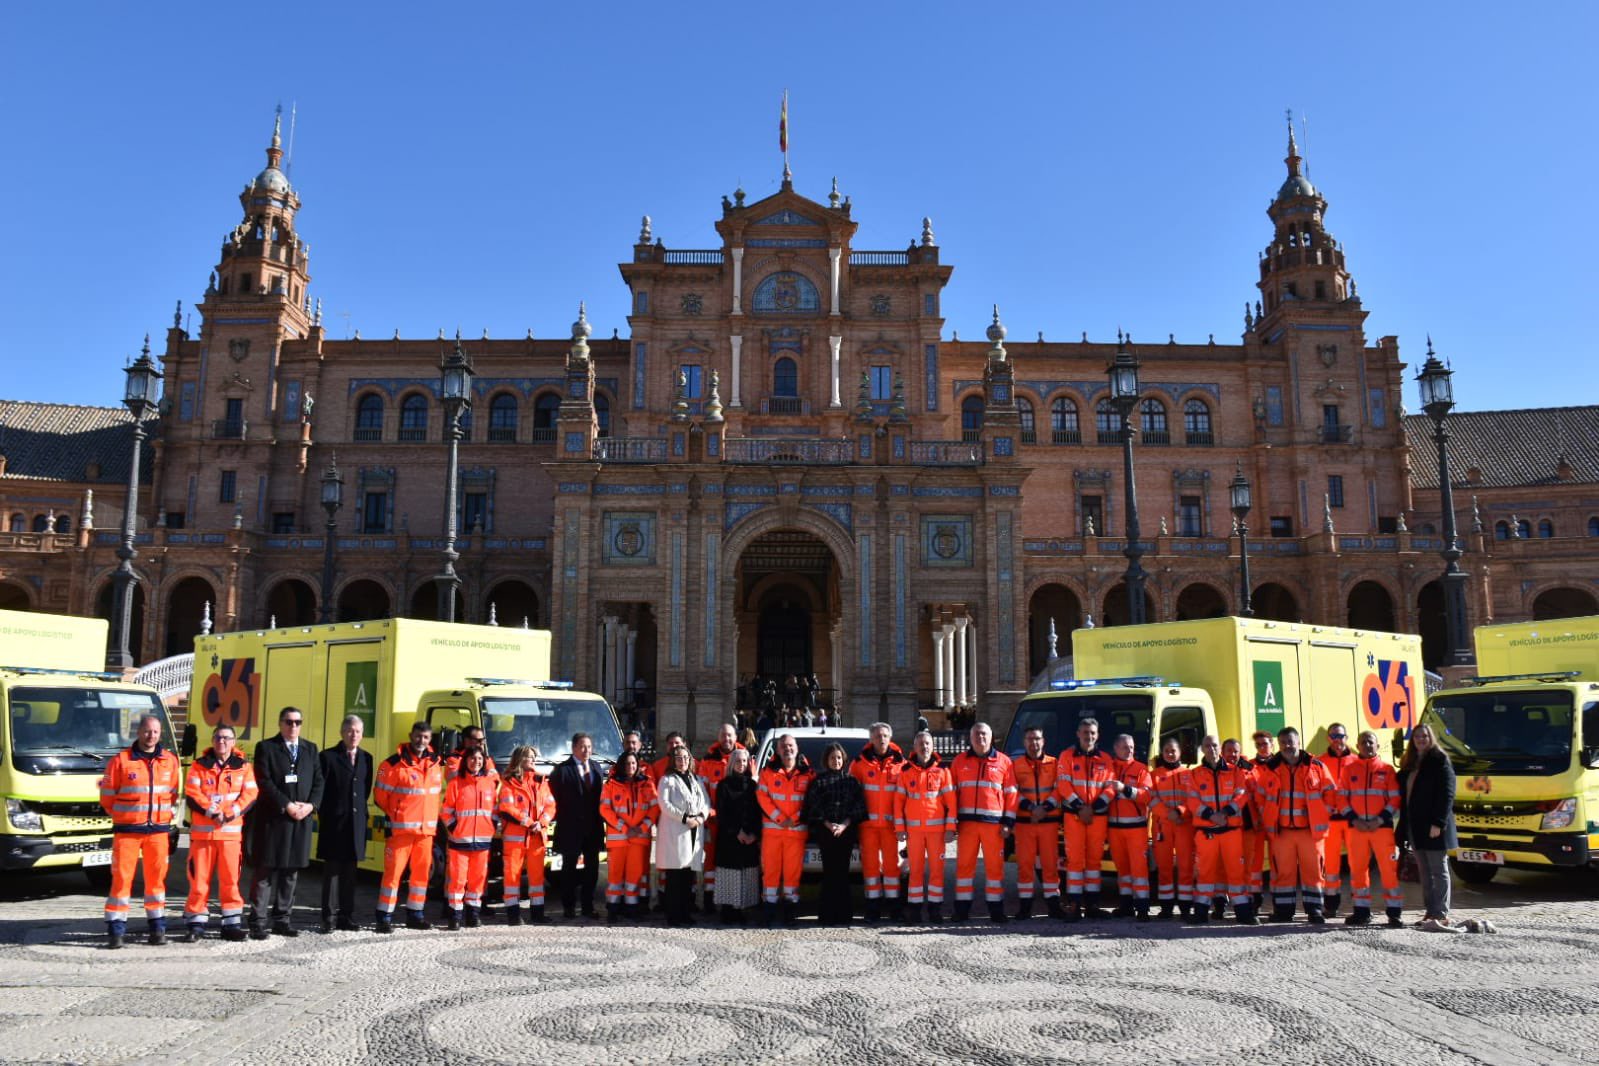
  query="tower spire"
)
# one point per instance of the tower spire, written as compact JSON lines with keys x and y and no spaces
{"x":275,"y":150}
{"x":1293,"y":159}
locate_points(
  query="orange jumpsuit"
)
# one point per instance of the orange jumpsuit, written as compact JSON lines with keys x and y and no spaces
{"x":1086,"y":781}
{"x":215,"y":843}
{"x":408,"y":791}
{"x":1254,"y":833}
{"x":1295,"y":803}
{"x":452,"y":765}
{"x":711,"y":770}
{"x":1369,"y":789}
{"x":924,"y":810}
{"x":879,"y":777}
{"x":1174,"y":834}
{"x":1217,"y":794}
{"x":1333,"y":845}
{"x":628,"y":809}
{"x":1133,"y":792}
{"x":781,"y":795}
{"x":468,"y":815}
{"x":527,"y":808}
{"x":1037,"y":843}
{"x":139,"y":791}
{"x":985,"y":805}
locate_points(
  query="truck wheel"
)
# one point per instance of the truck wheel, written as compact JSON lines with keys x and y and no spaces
{"x":99,"y":878}
{"x":1474,"y":873}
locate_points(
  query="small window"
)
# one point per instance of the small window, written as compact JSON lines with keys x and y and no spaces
{"x":19,"y":523}
{"x":1190,"y":516}
{"x":63,"y":523}
{"x":929,"y":304}
{"x":1321,"y":290}
{"x":1501,"y":530}
{"x":1524,"y":529}
{"x":1196,"y":422}
{"x":229,"y":487}
{"x":641,"y":303}
{"x":375,"y":512}
{"x":1024,"y":412}
{"x":602,"y":413}
{"x":282,"y":522}
{"x":693,"y":372}
{"x":1154,"y":417}
{"x":1335,"y":490}
{"x":414,"y":418}
{"x":1063,"y":425}
{"x":1092,"y":509}
{"x":785,"y":379}
{"x":369,"y":417}
{"x":1282,"y":525}
{"x":972,"y":418}
{"x":1107,"y":423}
{"x":41,"y":523}
{"x":502,"y":419}
{"x":1546,"y":529}
{"x":546,"y":409}
{"x":1593,"y":527}
{"x":474,"y":512}
{"x":176,"y":519}
{"x":882,"y":383}
{"x":1387,"y":524}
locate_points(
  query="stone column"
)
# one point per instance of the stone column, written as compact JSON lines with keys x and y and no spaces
{"x":618,"y":665}
{"x":971,"y":663}
{"x":737,"y":341}
{"x":949,"y":667}
{"x":832,"y":272}
{"x":738,"y":283}
{"x":631,"y":672}
{"x":938,"y":665}
{"x":834,"y":343}
{"x":607,"y":646}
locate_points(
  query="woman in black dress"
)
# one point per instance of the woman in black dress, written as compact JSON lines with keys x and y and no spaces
{"x":835,"y":805}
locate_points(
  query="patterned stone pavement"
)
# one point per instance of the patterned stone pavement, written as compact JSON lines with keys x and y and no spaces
{"x":1033,"y":992}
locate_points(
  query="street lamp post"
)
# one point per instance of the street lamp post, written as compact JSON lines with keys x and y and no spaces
{"x":1238,"y":491}
{"x":1123,"y":374}
{"x":1438,"y":399}
{"x":332,"y":500}
{"x":455,"y":389}
{"x":140,"y":396}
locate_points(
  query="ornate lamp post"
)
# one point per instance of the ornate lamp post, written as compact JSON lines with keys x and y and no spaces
{"x":332,"y":500}
{"x":1123,"y":374}
{"x":140,"y":394}
{"x":1438,"y":399}
{"x":455,"y":388}
{"x":1238,"y":493}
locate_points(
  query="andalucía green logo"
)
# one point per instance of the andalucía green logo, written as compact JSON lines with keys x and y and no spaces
{"x":1269,"y":696}
{"x":361,"y":692}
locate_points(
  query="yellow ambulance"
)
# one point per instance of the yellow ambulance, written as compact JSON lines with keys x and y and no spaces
{"x":1228,"y":676}
{"x":1524,"y":739}
{"x":60,"y":720}
{"x":392,"y":673}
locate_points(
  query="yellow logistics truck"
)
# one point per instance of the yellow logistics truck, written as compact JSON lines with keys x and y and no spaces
{"x":1228,"y":676}
{"x":392,"y":673}
{"x":1524,"y":740}
{"x":60,"y":720}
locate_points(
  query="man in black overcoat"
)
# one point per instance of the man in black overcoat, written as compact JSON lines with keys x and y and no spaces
{"x":289,"y":774}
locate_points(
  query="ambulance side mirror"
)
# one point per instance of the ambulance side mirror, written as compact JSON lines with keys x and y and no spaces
{"x":448,"y":739}
{"x":190,"y":742}
{"x":1590,"y":758}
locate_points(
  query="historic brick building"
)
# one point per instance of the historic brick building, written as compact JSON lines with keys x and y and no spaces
{"x":789,"y":465}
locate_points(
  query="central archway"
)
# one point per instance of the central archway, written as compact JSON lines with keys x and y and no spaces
{"x":788,"y":609}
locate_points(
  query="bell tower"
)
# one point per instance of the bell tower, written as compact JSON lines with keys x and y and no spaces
{"x":1303,"y":267}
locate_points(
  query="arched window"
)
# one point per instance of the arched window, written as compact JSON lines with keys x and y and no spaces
{"x":1546,"y":529}
{"x":502,"y":419}
{"x":1107,"y":422}
{"x":785,"y":378}
{"x":414,"y":417}
{"x":1593,"y":527}
{"x":1196,"y":422}
{"x":63,"y":523}
{"x":1024,"y":411}
{"x":1501,"y":530}
{"x":1063,"y":425}
{"x":41,"y":524}
{"x":786,"y":293}
{"x":19,"y":523}
{"x":1524,"y":527}
{"x":1152,"y":422}
{"x":369,"y":417}
{"x":972,"y":418}
{"x":546,"y":407}
{"x":602,"y":413}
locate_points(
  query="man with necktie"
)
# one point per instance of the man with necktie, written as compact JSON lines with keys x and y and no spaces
{"x":289,"y":775}
{"x":579,"y":833}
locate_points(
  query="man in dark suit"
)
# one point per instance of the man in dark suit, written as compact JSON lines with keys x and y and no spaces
{"x":289,"y":775}
{"x":576,"y":784}
{"x":342,"y":822}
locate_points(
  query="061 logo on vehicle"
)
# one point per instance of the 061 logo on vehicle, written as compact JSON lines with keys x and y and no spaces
{"x":231,"y":695}
{"x":1389,"y":696}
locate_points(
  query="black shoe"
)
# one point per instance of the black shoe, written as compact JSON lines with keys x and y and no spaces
{"x":113,"y":941}
{"x":259,"y":933}
{"x":1053,"y":904}
{"x":727,"y":915}
{"x":1141,"y":912}
{"x":963,"y":910}
{"x":452,"y":921}
{"x":347,"y":925}
{"x":513,"y":916}
{"x":1074,"y":911}
{"x":790,"y":914}
{"x":156,"y":937}
{"x":874,"y":911}
{"x":536,"y":916}
{"x":1282,"y":914}
{"x":935,"y":914}
{"x":414,"y":920}
{"x":1359,"y":916}
{"x":1024,"y":908}
{"x":1123,"y":911}
{"x":1218,"y":910}
{"x":1166,"y":909}
{"x":284,"y":929}
{"x":326,"y":927}
{"x":383,"y":925}
{"x":234,"y":933}
{"x":769,"y":913}
{"x":471,"y":921}
{"x":1201,"y":915}
{"x":996,"y":913}
{"x":193,"y":933}
{"x":613,"y":915}
{"x":707,"y":902}
{"x":1245,"y":914}
{"x":590,"y":912}
{"x":1333,"y":901}
{"x":1185,"y":911}
{"x":1395,"y":921}
{"x":1315,"y":915}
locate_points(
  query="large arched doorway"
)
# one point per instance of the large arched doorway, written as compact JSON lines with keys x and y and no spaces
{"x":1430,"y":624}
{"x":290,"y":603}
{"x":187,"y":604}
{"x":1370,"y":607}
{"x":514,"y":603}
{"x":14,"y":597}
{"x":788,"y":611}
{"x":1115,"y":612}
{"x":364,"y":600}
{"x":105,"y":607}
{"x":1051,"y":604}
{"x":1275,"y":603}
{"x":1563,"y":603}
{"x":425,"y":603}
{"x":1200,"y":600}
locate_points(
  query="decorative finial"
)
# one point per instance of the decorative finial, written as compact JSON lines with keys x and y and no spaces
{"x":272,"y":621}
{"x":644,"y":234}
{"x":1053,"y":638}
{"x":927,"y":233}
{"x":525,"y":623}
{"x":356,"y":335}
{"x":1088,"y":622}
{"x":485,"y":332}
{"x":897,"y":411}
{"x":1429,"y":346}
{"x":144,"y":352}
{"x":177,"y":316}
{"x":680,"y":405}
{"x":738,"y":196}
{"x":1400,"y":526}
{"x":996,"y":328}
{"x":1088,"y":526}
{"x":1515,"y":527}
{"x":1326,"y":514}
{"x":713,"y":406}
{"x":318,"y":320}
{"x":832,"y":197}
{"x":1476,"y":516}
{"x":1163,"y":530}
{"x":211,"y":285}
{"x":863,"y":405}
{"x":88,"y":509}
{"x":205,"y":619}
{"x":277,"y":128}
{"x":494,"y":619}
{"x":396,"y":332}
{"x":581,"y":327}
{"x":1249,"y":318}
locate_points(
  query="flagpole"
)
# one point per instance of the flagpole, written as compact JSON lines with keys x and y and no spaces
{"x":782,"y":132}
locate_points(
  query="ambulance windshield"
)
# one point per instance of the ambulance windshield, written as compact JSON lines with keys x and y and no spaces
{"x":547,"y":723}
{"x":61,"y":729}
{"x":1058,"y":716}
{"x":1520,"y":732}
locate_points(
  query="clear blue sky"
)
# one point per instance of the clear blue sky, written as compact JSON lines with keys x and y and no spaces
{"x":1086,"y":169}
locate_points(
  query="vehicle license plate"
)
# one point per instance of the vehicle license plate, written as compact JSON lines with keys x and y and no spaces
{"x":97,"y":858}
{"x":1492,"y":858}
{"x":813,"y":856}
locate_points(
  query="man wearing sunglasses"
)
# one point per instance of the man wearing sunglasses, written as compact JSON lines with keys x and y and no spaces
{"x":1336,"y":759}
{"x":289,"y":775}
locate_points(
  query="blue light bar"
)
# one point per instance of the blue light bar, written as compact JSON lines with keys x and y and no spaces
{"x":519,"y":681}
{"x":98,"y":675}
{"x":1070,"y":685}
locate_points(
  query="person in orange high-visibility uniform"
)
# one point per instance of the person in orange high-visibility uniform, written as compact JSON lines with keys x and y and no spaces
{"x":628,"y":809}
{"x":1173,"y":831}
{"x":471,"y":737}
{"x":877,"y":768}
{"x":468,"y":815}
{"x":1369,"y":793}
{"x":985,"y":812}
{"x":527,"y":808}
{"x":220,"y":789}
{"x":1296,"y":801}
{"x":711,"y":770}
{"x":1218,"y":791}
{"x":1134,"y":791}
{"x":781,"y":793}
{"x":925,"y":813}
{"x":409,"y":791}
{"x":1254,"y":827}
{"x":1085,"y":784}
{"x":140,"y":791}
{"x":1337,"y":756}
{"x":1037,"y":826}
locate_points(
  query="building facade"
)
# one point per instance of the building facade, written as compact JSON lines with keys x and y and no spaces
{"x":790,"y":465}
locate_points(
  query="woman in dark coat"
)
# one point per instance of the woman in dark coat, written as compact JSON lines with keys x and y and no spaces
{"x":738,"y":840}
{"x":1427,"y":819}
{"x":835,"y":806}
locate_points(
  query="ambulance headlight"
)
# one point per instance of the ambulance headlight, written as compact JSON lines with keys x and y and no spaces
{"x":1560,"y":815}
{"x":20,"y":817}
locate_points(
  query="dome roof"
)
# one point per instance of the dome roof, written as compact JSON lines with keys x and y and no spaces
{"x":1296,"y":185}
{"x":271,"y":180}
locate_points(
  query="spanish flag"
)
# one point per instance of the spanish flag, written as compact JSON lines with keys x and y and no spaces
{"x":782,"y":126}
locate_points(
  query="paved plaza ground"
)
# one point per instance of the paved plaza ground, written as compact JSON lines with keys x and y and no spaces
{"x":1028,"y":992}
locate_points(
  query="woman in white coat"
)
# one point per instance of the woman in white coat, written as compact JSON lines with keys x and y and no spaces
{"x":680,"y":834}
